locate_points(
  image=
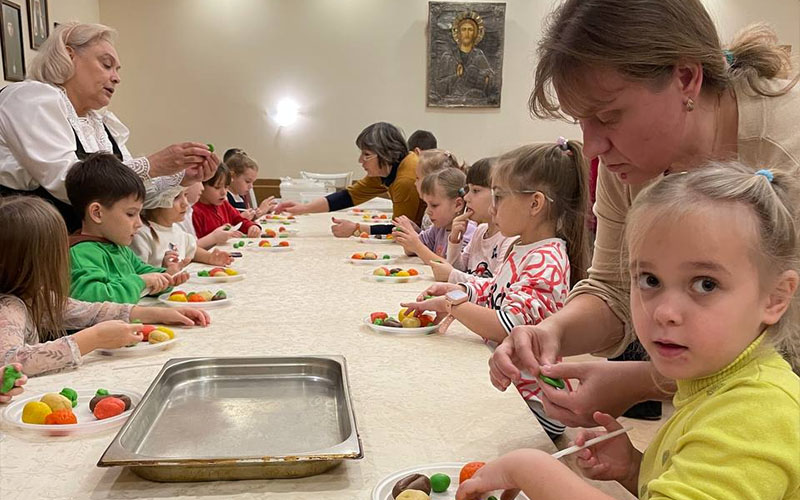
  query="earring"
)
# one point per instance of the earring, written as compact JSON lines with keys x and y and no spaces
{"x":689,"y":104}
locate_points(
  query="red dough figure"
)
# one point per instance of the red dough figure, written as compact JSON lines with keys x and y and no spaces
{"x":108,"y":407}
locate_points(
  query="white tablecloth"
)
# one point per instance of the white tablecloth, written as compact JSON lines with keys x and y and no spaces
{"x":417,"y":400}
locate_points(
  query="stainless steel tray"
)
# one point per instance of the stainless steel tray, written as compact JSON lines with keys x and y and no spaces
{"x":211,"y":419}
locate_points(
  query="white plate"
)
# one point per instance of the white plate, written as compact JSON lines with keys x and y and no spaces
{"x":382,"y":241}
{"x":140,"y":349}
{"x":290,"y":233}
{"x":423,"y":330}
{"x":252,"y":244}
{"x":366,"y":262}
{"x":194,"y":278}
{"x":277,"y":218}
{"x":87,"y":423}
{"x":392,"y":279}
{"x":211,"y":304}
{"x":383,"y":490}
{"x":285,"y":222}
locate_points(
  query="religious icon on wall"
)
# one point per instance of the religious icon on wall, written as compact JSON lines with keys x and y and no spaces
{"x":465,"y":54}
{"x":38,"y":24}
{"x":13,"y":57}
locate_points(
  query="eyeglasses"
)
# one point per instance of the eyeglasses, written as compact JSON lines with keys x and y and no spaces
{"x":498,"y":195}
{"x":367,"y":157}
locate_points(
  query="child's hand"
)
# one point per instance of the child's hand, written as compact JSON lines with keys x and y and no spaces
{"x":459,"y":227}
{"x":248,"y":214}
{"x":178,"y":279}
{"x":178,"y":316}
{"x":254,"y":232}
{"x":221,"y":235}
{"x":612,"y":460}
{"x":437,"y":290}
{"x":343,"y":228}
{"x":497,"y":475}
{"x":170,"y":257}
{"x":436,"y":304}
{"x":156,"y":282}
{"x":17,"y":389}
{"x":219,"y":258}
{"x":407,"y":238}
{"x":113,"y":334}
{"x":266,"y":206}
{"x":441,"y":270}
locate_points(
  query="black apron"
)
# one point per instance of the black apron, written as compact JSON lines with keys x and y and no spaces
{"x":72,"y":220}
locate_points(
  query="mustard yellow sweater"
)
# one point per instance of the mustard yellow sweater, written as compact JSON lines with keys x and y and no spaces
{"x":735,"y":435}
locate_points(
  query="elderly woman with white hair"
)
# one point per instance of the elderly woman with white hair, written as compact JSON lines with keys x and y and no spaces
{"x":58,"y":117}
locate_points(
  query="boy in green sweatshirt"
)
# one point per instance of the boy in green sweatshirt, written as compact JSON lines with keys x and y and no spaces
{"x":104,"y":269}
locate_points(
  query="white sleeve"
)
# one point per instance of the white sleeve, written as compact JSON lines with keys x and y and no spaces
{"x":143,"y":245}
{"x":191,"y":245}
{"x":33,"y":123}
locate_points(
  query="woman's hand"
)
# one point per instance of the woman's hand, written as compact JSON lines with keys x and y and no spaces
{"x":525,"y":348}
{"x":343,"y":228}
{"x":459,"y":227}
{"x":171,"y":316}
{"x":254,"y":232}
{"x":612,"y":460}
{"x":291,"y":207}
{"x":17,"y":389}
{"x":185,"y":155}
{"x":441,"y":270}
{"x":630,"y":380}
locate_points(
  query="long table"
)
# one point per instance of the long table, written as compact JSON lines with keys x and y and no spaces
{"x":417,"y":400}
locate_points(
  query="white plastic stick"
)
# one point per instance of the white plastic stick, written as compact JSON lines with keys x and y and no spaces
{"x":591,"y":442}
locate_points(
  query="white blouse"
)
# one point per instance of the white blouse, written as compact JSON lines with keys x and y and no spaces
{"x":152,"y":243}
{"x":38,"y":125}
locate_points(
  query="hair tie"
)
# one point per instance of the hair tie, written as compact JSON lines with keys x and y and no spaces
{"x":766,"y":174}
{"x":462,"y":192}
{"x":563,"y":145}
{"x":728,"y":56}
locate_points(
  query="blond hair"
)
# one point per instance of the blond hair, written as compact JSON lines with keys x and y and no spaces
{"x":34,"y":262}
{"x":53,"y":64}
{"x":560,"y":173}
{"x":434,"y":160}
{"x":240,"y":162}
{"x":450,"y":180}
{"x":644,"y":40}
{"x":774,"y":208}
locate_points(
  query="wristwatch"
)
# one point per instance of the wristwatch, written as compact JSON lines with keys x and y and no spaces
{"x":357,"y":230}
{"x":452,"y":299}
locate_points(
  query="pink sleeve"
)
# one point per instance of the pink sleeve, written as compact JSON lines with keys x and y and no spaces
{"x":81,"y":314}
{"x":19,"y":342}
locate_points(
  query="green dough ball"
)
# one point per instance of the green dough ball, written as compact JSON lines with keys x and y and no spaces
{"x":10,"y":376}
{"x":440,"y":482}
{"x":210,"y":147}
{"x":101,"y":392}
{"x":71,"y":395}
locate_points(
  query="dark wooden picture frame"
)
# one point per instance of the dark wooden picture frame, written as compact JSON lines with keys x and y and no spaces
{"x":11,"y":41}
{"x":465,"y":54}
{"x":38,"y":22}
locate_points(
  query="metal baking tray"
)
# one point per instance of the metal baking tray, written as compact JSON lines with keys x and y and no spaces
{"x":212,"y":419}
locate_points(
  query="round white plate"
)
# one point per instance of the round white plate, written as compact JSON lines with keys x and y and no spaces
{"x":211,"y":304}
{"x":383,"y":490}
{"x":252,"y":244}
{"x":87,"y":423}
{"x":194,"y":278}
{"x":367,"y":262}
{"x":392,"y":279}
{"x":285,"y":222}
{"x":290,"y":233}
{"x":382,"y":241}
{"x":140,"y":349}
{"x":423,"y":330}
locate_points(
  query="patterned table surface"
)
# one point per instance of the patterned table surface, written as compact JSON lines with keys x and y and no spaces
{"x":418,"y":400}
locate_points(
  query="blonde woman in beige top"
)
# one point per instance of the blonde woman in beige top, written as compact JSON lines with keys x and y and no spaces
{"x":655,"y":93}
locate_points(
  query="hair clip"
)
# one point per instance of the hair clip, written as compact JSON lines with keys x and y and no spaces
{"x":563,"y":145}
{"x":728,"y":56}
{"x":766,"y":174}
{"x":462,"y":192}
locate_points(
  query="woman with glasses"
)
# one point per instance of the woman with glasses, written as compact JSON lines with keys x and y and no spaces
{"x":390,"y":169}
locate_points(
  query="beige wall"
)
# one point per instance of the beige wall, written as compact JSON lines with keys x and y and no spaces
{"x":209,"y":70}
{"x":60,"y":11}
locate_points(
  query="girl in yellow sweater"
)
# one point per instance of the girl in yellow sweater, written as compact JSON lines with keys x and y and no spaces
{"x":713,"y":259}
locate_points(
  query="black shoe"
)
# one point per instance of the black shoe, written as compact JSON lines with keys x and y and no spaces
{"x":646,"y":410}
